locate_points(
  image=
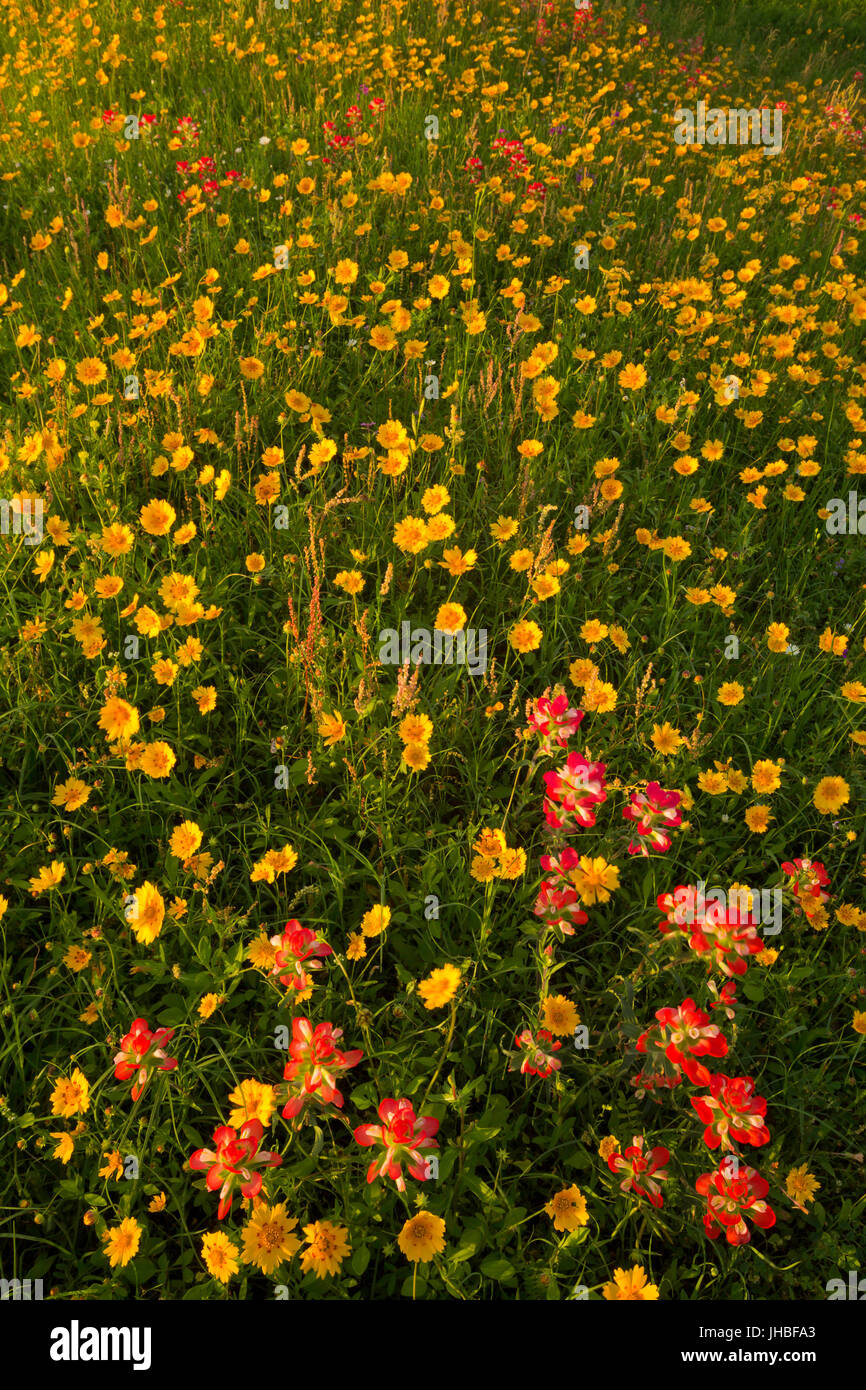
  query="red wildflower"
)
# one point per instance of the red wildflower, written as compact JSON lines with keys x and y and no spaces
{"x":734,"y":1191}
{"x":140,"y":1052}
{"x":807,"y":879}
{"x":643,"y":1172}
{"x":652,"y":810}
{"x":537,"y":1057}
{"x":400,"y":1139}
{"x":732,"y":1111}
{"x":574,"y":788}
{"x":231,"y":1164}
{"x":711,"y":926}
{"x":683,"y":1035}
{"x":316,"y":1064}
{"x":554,"y":721}
{"x":298,"y":949}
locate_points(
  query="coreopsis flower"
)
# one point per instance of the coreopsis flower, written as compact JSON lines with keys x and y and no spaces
{"x":374,"y":922}
{"x":268,"y":1238}
{"x":572,"y":791}
{"x":440,"y":987}
{"x":732,"y":1111}
{"x":146,"y":913}
{"x":77,"y":958}
{"x":642,"y":1172}
{"x":400,"y":1138}
{"x":683,"y":1035}
{"x":525,"y":636}
{"x":275,"y":861}
{"x":536,"y":1053}
{"x":113,"y":1166}
{"x":653,"y":811}
{"x":47,"y":877}
{"x":142,"y":1052}
{"x":490,"y":843}
{"x":220,"y":1255}
{"x":185,"y":840}
{"x":71,"y":1095}
{"x":332,"y":729}
{"x":157,"y":517}
{"x":422,"y":1237}
{"x":328,"y":1247}
{"x":733,"y":1192}
{"x":831,"y":794}
{"x":65,"y":1146}
{"x":554,"y":721}
{"x":233,"y":1162}
{"x":800,"y":1186}
{"x":595,"y":879}
{"x":315,"y":1066}
{"x":253,"y":1100}
{"x":297,"y":952}
{"x":567,"y":1209}
{"x":630,"y":1286}
{"x":71,"y":794}
{"x":157,"y":759}
{"x":559,"y":1014}
{"x":122,"y":1242}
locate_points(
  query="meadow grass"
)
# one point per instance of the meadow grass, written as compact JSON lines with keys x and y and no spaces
{"x":271,"y":361}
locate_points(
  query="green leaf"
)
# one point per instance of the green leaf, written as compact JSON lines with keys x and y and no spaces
{"x":360,"y":1260}
{"x":512,"y":1217}
{"x":362,"y":1096}
{"x":498,"y":1268}
{"x":465,"y":1252}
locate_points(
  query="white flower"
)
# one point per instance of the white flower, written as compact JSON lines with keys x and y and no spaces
{"x":791,"y":650}
{"x":264,"y":140}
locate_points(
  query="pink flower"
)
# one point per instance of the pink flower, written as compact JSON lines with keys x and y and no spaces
{"x":140,"y":1052}
{"x":400,"y":1139}
{"x":653,"y":811}
{"x":554,"y":721}
{"x":232,"y":1163}
{"x":558,"y":907}
{"x":573,"y":788}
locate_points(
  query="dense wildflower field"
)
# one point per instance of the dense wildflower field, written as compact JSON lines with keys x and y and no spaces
{"x":432,"y":650}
